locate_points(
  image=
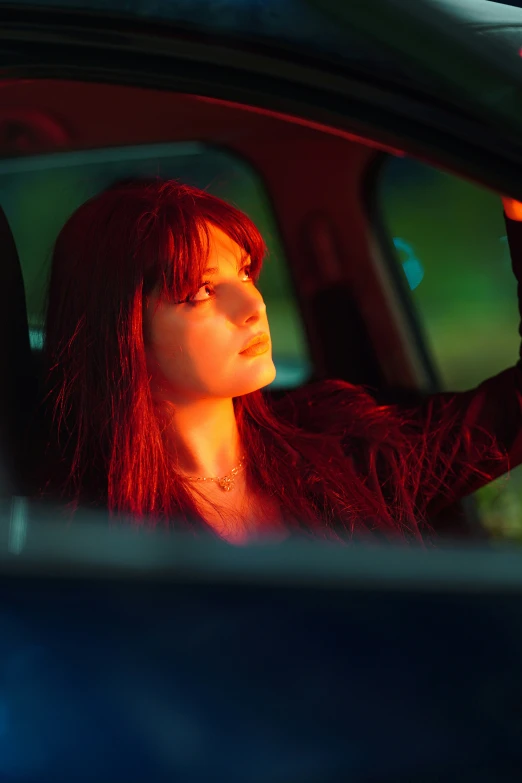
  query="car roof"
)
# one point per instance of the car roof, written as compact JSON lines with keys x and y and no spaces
{"x":466,"y":52}
{"x":310,"y":25}
{"x":284,"y":23}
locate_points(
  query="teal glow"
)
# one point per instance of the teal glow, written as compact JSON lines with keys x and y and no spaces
{"x":412,"y":267}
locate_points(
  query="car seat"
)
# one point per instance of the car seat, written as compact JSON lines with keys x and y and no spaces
{"x":18,"y":386}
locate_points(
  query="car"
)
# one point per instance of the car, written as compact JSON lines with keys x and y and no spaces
{"x":351,"y":143}
{"x":370,"y":142}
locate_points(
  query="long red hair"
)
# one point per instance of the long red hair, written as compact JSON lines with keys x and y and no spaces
{"x":337,"y":463}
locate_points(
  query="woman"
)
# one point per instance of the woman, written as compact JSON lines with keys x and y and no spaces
{"x":157,"y":348}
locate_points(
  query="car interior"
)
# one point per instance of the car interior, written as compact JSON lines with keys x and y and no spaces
{"x":337,"y":282}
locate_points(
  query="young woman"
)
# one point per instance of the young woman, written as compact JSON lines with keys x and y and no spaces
{"x":158,"y":348}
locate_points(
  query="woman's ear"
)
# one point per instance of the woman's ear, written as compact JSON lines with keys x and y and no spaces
{"x":512,"y":208}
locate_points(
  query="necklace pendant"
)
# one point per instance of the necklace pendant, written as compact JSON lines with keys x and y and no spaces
{"x":226,"y":483}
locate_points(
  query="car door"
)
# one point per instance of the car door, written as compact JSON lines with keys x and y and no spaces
{"x":312,"y":99}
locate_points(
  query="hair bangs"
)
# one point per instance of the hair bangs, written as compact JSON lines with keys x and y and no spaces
{"x":182,"y":258}
{"x":181,"y":240}
{"x":242,"y":230}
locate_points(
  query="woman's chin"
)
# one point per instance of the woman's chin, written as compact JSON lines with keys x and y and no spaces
{"x":270,"y":376}
{"x":255,"y":380}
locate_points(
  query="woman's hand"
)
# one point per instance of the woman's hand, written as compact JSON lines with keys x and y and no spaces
{"x":512,"y":208}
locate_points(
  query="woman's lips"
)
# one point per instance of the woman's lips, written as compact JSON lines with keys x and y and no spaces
{"x":257,"y":345}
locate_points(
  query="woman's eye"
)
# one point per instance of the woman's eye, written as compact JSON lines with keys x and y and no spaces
{"x":204,"y":292}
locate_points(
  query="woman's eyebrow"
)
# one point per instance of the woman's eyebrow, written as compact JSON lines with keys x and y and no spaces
{"x":212,"y":270}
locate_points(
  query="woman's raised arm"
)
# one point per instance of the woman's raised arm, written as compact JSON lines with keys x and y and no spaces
{"x":473,"y":437}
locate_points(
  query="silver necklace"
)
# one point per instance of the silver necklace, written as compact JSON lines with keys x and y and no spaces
{"x":225,"y":482}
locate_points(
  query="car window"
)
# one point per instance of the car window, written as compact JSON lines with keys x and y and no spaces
{"x":39,"y":193}
{"x":450,"y":239}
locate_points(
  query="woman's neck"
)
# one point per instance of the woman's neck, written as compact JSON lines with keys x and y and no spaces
{"x":204,"y":436}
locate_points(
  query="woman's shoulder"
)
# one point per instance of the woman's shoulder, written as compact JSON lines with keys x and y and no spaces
{"x":333,"y":407}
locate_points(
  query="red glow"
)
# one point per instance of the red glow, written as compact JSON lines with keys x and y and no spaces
{"x":306,"y":123}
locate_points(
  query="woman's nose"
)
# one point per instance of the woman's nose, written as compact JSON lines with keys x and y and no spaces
{"x":250,"y":307}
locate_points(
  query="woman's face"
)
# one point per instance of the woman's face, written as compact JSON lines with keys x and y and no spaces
{"x":195,"y":350}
